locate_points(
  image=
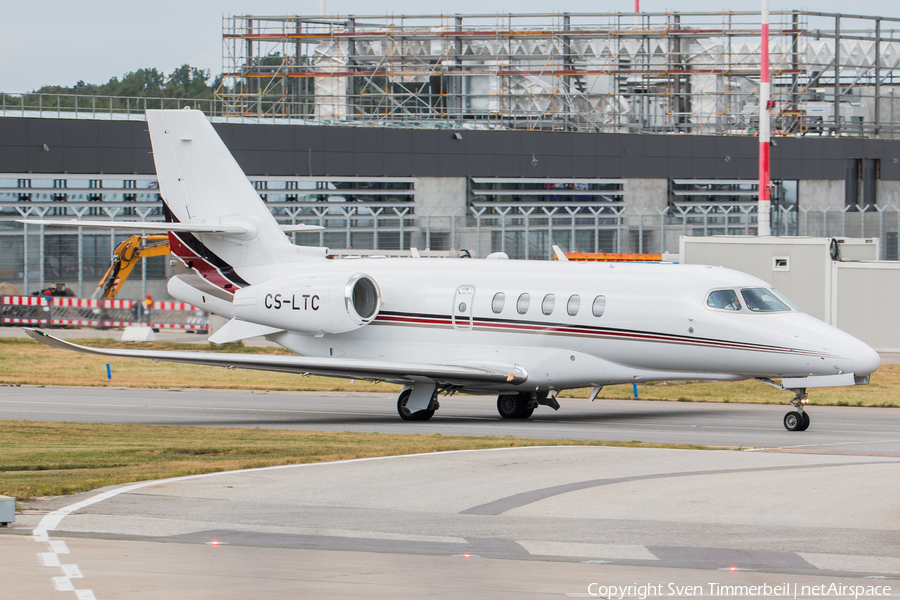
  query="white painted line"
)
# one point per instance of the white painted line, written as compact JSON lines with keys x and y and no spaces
{"x":52,"y":520}
{"x":72,"y":571}
{"x":49,"y":559}
{"x":62,"y":584}
{"x":579,"y":549}
{"x":58,"y":546}
{"x":43,"y":537}
{"x":820,"y":445}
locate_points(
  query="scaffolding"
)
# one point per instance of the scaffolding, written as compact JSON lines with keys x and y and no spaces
{"x":613,"y":72}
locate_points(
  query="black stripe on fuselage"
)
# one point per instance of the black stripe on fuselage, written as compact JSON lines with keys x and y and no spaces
{"x":575,"y":329}
{"x":189,"y":240}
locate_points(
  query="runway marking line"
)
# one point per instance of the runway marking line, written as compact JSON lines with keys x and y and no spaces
{"x":70,"y":571}
{"x":820,"y":445}
{"x":52,"y":520}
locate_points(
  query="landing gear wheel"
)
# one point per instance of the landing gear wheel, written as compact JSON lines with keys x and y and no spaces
{"x":793,"y":421}
{"x":518,"y":406}
{"x":408,"y":415}
{"x":805,"y":422}
{"x":507,"y":406}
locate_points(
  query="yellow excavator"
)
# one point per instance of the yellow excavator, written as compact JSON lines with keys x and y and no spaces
{"x":126,"y":258}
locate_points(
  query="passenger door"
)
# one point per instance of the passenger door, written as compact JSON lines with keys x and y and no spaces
{"x":462,"y":307}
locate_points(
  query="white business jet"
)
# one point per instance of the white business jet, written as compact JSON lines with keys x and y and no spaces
{"x":521,"y":331}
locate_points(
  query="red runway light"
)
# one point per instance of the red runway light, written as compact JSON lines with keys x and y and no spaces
{"x":733,"y":569}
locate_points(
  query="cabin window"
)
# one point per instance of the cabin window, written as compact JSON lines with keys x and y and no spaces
{"x":724,"y":299}
{"x":522,"y":304}
{"x":498,"y":302}
{"x":598,"y":306}
{"x":763,"y":300}
{"x":547,"y":304}
{"x":573,"y":305}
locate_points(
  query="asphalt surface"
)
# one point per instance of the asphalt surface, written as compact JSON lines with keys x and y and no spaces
{"x":848,"y":429}
{"x":814,"y":508}
{"x":508,"y":523}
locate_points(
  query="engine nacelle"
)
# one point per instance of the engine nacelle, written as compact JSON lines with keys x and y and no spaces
{"x":315,"y":303}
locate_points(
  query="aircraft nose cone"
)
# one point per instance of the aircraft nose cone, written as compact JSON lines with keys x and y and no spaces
{"x":864,"y":360}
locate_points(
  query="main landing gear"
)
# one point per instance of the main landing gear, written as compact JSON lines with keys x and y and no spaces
{"x":797,"y":420}
{"x":421,"y":415}
{"x":516,"y":406}
{"x":522,"y":405}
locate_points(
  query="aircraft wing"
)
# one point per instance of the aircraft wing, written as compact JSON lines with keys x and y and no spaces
{"x":349,"y":368}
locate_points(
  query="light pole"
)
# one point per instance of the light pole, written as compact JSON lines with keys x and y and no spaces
{"x":763,"y":207}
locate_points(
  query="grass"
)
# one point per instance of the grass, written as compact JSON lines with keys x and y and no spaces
{"x":48,"y":459}
{"x":26,"y":362}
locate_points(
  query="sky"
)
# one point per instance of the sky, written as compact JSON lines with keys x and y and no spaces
{"x":56,"y":42}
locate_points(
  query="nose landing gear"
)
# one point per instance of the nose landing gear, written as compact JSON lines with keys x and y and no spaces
{"x":797,"y":420}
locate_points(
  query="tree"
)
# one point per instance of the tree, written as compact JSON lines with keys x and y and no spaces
{"x":184,"y":82}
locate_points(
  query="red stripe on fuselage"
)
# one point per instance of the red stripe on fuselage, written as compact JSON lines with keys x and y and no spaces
{"x":207,"y":271}
{"x":590,"y":332}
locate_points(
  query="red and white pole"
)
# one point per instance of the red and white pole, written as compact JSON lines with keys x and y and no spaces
{"x":763,"y":207}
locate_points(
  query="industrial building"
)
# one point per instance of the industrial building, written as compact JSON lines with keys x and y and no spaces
{"x":507,"y":133}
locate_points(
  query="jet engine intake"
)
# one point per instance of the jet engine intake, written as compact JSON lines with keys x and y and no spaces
{"x":315,"y":303}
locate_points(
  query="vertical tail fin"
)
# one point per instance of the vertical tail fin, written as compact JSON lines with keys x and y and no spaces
{"x":201,"y":183}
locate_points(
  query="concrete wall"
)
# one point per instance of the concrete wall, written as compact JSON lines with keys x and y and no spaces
{"x":888,"y":192}
{"x":821,"y":193}
{"x":444,"y":199}
{"x":647,"y":195}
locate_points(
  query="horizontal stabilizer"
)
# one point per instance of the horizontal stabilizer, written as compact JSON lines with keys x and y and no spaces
{"x":236,"y":330}
{"x":301,"y":227}
{"x":349,"y":368}
{"x":232,"y":228}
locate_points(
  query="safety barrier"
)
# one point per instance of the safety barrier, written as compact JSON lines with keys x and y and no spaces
{"x":91,"y":312}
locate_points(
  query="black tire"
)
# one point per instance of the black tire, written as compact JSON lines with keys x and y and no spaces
{"x":406,"y":414}
{"x":514,"y":407}
{"x":805,"y":422}
{"x":508,"y":406}
{"x":793,"y":421}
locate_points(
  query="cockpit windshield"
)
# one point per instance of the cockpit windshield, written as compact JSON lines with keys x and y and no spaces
{"x":724,"y":299}
{"x":763,"y":300}
{"x":786,"y":300}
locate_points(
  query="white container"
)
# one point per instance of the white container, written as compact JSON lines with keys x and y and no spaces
{"x":7,"y":510}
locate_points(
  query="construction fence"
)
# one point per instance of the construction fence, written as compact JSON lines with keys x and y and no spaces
{"x":90,"y":312}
